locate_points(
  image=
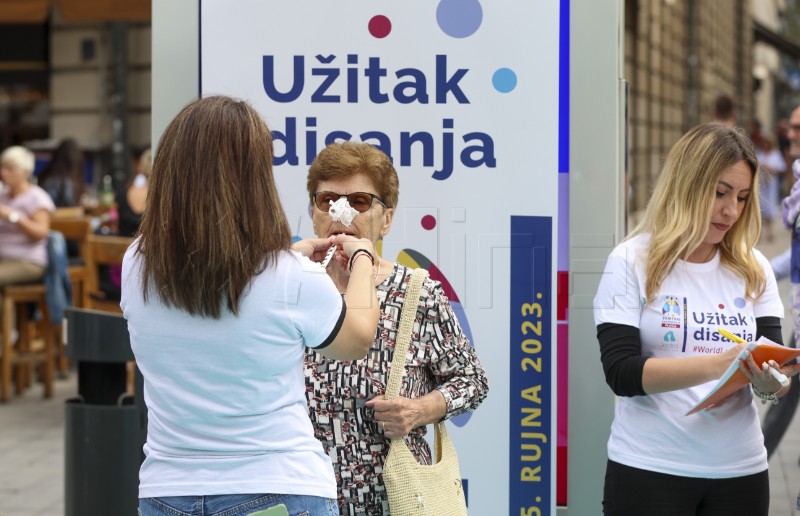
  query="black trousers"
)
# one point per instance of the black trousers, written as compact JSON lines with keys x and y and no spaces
{"x":636,"y":492}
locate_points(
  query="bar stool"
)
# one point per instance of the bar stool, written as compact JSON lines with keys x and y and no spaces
{"x":18,"y":358}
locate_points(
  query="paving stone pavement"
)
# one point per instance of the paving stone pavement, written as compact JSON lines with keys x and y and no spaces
{"x":784,"y":468}
{"x":32,"y":442}
{"x":32,"y":451}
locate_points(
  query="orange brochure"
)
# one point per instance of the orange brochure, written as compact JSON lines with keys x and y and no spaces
{"x":733,"y":379}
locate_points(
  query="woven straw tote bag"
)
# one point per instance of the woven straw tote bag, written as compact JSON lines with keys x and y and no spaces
{"x":415,"y":489}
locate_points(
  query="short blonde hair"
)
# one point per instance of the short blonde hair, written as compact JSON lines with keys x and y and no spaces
{"x":345,"y":159}
{"x":20,"y":157}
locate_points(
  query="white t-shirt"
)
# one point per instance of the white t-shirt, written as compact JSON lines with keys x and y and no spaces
{"x":226,"y":402}
{"x":14,"y":244}
{"x":652,"y":432}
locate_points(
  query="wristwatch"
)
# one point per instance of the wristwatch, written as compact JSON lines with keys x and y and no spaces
{"x":13,"y":217}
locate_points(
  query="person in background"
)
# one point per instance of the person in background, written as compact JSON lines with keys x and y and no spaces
{"x":220,"y":308}
{"x":690,"y":264}
{"x":787,"y":265}
{"x":756,"y":133}
{"x":443,"y":377}
{"x":773,"y":168}
{"x":131,"y":202}
{"x":784,"y":146}
{"x":25,"y":212}
{"x":725,"y":110}
{"x":63,"y":176}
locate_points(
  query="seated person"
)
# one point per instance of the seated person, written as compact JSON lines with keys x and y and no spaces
{"x":25,"y":211}
{"x":63,"y":177}
{"x":132,"y":201}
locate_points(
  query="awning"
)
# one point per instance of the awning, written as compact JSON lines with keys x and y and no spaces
{"x":785,"y":45}
{"x":37,"y":11}
{"x":24,"y":11}
{"x":105,"y":10}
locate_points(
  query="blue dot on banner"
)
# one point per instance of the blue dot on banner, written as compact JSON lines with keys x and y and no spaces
{"x":739,"y":302}
{"x":504,"y":80}
{"x":459,"y":18}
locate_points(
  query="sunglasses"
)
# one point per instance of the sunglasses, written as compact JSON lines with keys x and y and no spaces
{"x":360,"y":201}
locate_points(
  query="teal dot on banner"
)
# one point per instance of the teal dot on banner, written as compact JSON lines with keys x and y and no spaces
{"x":459,"y":18}
{"x":504,"y":80}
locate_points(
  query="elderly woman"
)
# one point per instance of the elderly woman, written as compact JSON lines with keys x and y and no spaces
{"x":444,"y":376}
{"x":25,"y":211}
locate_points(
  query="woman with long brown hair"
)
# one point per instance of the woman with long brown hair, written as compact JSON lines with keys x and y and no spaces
{"x":220,"y":309}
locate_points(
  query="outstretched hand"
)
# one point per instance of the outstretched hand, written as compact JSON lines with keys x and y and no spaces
{"x":313,"y":248}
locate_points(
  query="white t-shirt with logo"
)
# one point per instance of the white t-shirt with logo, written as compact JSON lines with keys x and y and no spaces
{"x":652,"y":432}
{"x":227,"y":411}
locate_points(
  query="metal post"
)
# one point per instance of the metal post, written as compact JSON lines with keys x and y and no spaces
{"x":120,"y":160}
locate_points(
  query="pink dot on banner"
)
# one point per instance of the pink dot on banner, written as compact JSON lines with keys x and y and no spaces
{"x":428,"y":222}
{"x":380,"y":26}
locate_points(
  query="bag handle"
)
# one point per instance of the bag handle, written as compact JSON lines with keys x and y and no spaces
{"x":407,"y":316}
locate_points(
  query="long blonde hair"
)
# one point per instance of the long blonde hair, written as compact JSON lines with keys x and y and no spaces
{"x":680,"y":210}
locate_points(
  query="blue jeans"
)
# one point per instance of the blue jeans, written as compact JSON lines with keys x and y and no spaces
{"x":236,"y":505}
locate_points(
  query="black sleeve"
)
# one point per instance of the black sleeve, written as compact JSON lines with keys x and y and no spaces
{"x":769,"y":327}
{"x":623,"y":363}
{"x":336,"y":328}
{"x":621,"y":355}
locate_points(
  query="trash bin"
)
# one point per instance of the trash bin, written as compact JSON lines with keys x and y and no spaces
{"x":104,"y":427}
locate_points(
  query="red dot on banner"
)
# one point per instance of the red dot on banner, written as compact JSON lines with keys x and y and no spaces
{"x":721,"y":306}
{"x":380,"y":26}
{"x":428,"y":222}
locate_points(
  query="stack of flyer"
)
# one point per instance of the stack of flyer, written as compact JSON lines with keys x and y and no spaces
{"x":763,"y":350}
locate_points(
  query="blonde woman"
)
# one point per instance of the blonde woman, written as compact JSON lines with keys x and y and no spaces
{"x":688,"y":268}
{"x":25,"y":212}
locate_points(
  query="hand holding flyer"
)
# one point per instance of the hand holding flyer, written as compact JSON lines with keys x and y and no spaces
{"x":763,"y":350}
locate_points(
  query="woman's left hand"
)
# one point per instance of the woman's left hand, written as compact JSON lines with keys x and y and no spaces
{"x":396,"y":417}
{"x":759,"y":376}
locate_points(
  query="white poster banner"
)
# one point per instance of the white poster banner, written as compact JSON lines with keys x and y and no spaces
{"x":467,"y":99}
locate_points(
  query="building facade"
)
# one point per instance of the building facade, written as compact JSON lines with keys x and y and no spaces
{"x":679,"y":56}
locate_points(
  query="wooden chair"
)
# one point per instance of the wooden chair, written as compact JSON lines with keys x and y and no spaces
{"x":106,"y":251}
{"x":76,"y":230}
{"x":103,"y":251}
{"x":34,"y":344}
{"x":71,"y":212}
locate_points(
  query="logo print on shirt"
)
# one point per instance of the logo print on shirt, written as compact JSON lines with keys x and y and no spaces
{"x":671,"y":312}
{"x":669,"y":342}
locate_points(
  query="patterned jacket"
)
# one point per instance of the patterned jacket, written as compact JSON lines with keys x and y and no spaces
{"x":439,"y":357}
